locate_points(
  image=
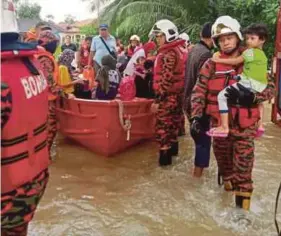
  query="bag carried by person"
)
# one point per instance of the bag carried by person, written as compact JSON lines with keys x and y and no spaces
{"x":127,"y":88}
{"x":113,"y":54}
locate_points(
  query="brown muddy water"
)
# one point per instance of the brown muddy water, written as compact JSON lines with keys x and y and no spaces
{"x":129,"y":195}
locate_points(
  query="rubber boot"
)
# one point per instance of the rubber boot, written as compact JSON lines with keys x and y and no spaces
{"x":243,"y":200}
{"x":175,"y":149}
{"x":165,"y":157}
{"x":182,"y":132}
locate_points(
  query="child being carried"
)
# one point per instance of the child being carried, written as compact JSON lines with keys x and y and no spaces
{"x":254,"y":76}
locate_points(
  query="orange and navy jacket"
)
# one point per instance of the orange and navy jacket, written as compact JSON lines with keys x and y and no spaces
{"x":24,"y":113}
{"x":201,"y":94}
{"x":169,"y":70}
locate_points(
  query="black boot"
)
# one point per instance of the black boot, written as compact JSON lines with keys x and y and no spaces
{"x":175,"y":149}
{"x":243,"y":201}
{"x":165,"y":158}
{"x":181,"y":132}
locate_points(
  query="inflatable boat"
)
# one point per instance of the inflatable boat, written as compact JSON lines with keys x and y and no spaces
{"x":276,"y":111}
{"x":106,"y":127}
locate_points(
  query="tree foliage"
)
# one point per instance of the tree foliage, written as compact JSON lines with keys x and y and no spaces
{"x":69,"y":19}
{"x":50,"y":17}
{"x":127,"y":17}
{"x":28,"y":10}
{"x":89,"y":30}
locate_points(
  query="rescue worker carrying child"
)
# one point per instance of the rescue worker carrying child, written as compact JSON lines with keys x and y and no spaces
{"x":234,"y":154}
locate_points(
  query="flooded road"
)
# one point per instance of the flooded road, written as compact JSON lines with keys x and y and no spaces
{"x":129,"y":195}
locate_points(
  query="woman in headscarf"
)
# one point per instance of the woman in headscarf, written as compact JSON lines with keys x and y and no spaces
{"x":108,"y":78}
{"x":66,"y":80}
{"x":84,"y":53}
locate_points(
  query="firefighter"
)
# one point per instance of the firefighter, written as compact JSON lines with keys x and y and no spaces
{"x":24,"y":112}
{"x":234,"y":154}
{"x":49,"y":42}
{"x":168,"y":86}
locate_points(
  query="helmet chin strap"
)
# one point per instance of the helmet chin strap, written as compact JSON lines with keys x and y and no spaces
{"x":229,"y":52}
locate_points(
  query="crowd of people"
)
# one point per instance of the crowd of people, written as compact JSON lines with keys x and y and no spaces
{"x":221,"y":96}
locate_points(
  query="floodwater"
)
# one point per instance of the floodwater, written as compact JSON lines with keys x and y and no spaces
{"x":129,"y":195}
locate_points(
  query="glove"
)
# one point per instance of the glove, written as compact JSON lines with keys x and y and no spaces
{"x":195,"y":128}
{"x":243,"y":96}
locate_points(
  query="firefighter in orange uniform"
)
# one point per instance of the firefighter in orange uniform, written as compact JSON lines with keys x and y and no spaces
{"x":234,"y":154}
{"x":49,"y":42}
{"x":168,"y":85}
{"x":24,"y":112}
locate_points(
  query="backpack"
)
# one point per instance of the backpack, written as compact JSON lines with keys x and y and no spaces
{"x":127,"y":88}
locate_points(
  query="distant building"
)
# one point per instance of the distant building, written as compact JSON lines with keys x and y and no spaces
{"x":61,"y":29}
{"x":72,"y":31}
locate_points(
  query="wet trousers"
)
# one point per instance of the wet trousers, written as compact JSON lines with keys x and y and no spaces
{"x":18,"y":206}
{"x":168,"y":119}
{"x":181,"y":116}
{"x":235,"y":157}
{"x":203,"y":145}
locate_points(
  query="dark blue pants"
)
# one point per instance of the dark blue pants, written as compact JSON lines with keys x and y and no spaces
{"x":203,"y":145}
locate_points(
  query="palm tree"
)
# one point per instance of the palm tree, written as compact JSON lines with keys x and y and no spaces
{"x":130,"y":16}
{"x":96,"y":6}
{"x":50,"y":17}
{"x":127,"y":17}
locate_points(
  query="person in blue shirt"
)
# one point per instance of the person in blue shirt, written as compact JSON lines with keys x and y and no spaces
{"x":102,"y":45}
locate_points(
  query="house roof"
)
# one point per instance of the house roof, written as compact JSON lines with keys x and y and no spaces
{"x":85,"y":22}
{"x":55,"y":26}
{"x":27,"y":24}
{"x":67,"y":28}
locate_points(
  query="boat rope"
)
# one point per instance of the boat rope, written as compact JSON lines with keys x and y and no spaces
{"x":125,"y":124}
{"x":276,"y":208}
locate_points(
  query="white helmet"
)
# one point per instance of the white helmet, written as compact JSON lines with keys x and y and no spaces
{"x":135,"y":37}
{"x":226,"y":25}
{"x":185,"y":37}
{"x":167,"y":27}
{"x":8,"y":17}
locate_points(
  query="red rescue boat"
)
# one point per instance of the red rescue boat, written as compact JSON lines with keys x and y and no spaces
{"x":106,"y":127}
